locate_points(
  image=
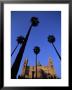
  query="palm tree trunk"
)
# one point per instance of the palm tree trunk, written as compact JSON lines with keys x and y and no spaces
{"x":15,"y":67}
{"x":14,"y":49}
{"x":36,"y":66}
{"x":56,"y":51}
{"x":28,"y":33}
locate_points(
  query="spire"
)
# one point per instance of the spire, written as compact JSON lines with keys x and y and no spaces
{"x":26,"y":61}
{"x":51,"y":69}
{"x":50,"y":62}
{"x":38,"y":63}
{"x":24,"y":67}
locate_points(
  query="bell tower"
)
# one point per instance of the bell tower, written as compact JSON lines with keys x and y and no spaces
{"x":51,"y":69}
{"x":24,"y":67}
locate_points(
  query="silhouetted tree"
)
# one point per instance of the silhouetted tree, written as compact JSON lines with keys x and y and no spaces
{"x":36,"y":51}
{"x":19,"y":40}
{"x":51,"y":39}
{"x":15,"y":67}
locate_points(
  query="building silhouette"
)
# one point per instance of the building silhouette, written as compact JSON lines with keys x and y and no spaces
{"x":43,"y":72}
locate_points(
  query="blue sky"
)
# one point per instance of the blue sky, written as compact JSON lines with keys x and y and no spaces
{"x":50,"y":23}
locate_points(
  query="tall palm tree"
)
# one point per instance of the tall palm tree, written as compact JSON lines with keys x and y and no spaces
{"x":51,"y":39}
{"x":19,"y":40}
{"x":15,"y":67}
{"x":34,"y":21}
{"x":36,"y":51}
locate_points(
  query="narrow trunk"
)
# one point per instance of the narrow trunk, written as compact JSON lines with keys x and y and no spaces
{"x":36,"y":66}
{"x":15,"y":67}
{"x":56,"y":51}
{"x":14,"y":49}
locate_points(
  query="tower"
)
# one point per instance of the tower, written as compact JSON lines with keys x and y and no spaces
{"x":24,"y":67}
{"x":51,"y":70}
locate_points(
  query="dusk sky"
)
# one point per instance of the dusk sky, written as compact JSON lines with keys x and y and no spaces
{"x":50,"y":24}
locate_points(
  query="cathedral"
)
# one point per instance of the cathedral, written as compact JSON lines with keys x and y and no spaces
{"x":43,"y":72}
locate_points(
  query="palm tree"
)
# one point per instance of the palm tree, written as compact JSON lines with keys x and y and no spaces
{"x":34,"y":21}
{"x":51,"y":39}
{"x":15,"y":67}
{"x":36,"y":51}
{"x":19,"y":40}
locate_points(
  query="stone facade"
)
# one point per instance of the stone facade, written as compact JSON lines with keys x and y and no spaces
{"x":43,"y":72}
